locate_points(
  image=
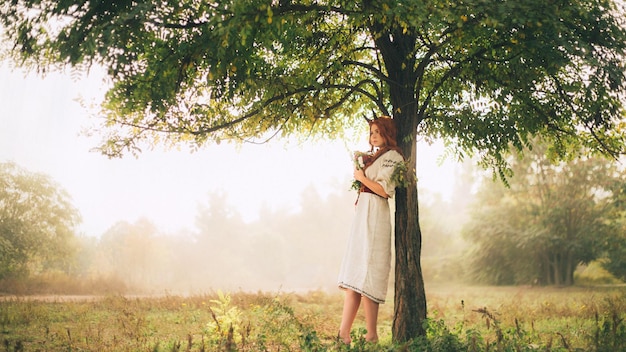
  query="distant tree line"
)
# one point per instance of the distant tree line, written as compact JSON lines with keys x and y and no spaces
{"x":549,"y":219}
{"x":538,"y":229}
{"x":283,"y":249}
{"x":297,"y":248}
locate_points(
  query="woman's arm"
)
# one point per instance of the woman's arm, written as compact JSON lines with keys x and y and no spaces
{"x":359,"y":175}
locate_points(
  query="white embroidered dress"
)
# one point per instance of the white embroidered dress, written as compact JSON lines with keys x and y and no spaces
{"x":367,"y":260}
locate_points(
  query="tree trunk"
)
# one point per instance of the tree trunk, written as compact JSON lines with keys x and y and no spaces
{"x":545,"y":264}
{"x":557,"y":270}
{"x":569,"y":269}
{"x":550,"y":271}
{"x":397,"y":50}
{"x":410,"y":296}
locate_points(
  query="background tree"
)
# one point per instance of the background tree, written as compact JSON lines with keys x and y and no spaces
{"x":443,"y":220}
{"x":553,"y":218}
{"x":222,"y":239}
{"x":615,"y":261}
{"x":485,"y":75}
{"x":284,"y":247}
{"x":136,"y":254}
{"x":37,"y":224}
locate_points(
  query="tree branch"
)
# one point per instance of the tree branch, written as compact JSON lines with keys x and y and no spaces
{"x":561,"y":92}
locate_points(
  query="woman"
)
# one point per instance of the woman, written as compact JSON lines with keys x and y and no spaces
{"x":364,"y":272}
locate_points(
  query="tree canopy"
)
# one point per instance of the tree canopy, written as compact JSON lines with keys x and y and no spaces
{"x":480,"y":72}
{"x":484,"y":75}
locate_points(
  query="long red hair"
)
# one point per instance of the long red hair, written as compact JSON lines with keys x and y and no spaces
{"x":387,"y":127}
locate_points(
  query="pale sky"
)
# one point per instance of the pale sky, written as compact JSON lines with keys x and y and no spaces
{"x":40,"y":129}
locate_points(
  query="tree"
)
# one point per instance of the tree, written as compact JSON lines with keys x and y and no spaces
{"x":37,"y":222}
{"x":135,"y":253}
{"x":553,"y":218}
{"x":443,"y":220}
{"x":615,"y":261}
{"x":221,"y":241}
{"x":485,"y":75}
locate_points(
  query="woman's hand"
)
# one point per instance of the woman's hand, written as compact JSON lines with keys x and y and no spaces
{"x":374,"y":186}
{"x":359,"y":175}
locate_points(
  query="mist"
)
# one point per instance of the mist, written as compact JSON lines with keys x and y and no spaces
{"x":283,"y":250}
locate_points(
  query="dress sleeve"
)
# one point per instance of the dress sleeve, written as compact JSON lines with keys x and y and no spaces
{"x":389,"y":161}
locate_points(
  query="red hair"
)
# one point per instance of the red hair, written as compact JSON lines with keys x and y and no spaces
{"x":387,"y":128}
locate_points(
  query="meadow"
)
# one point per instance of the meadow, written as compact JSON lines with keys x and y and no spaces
{"x":460,"y":319}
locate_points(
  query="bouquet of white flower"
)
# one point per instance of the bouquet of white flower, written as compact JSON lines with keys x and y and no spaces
{"x":359,"y":159}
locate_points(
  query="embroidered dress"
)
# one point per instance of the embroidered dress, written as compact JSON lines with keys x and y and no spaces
{"x":367,"y":260}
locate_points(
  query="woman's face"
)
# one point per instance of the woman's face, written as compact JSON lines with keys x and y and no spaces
{"x":375,"y":137}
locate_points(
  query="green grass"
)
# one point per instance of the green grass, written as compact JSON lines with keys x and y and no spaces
{"x":460,"y":318}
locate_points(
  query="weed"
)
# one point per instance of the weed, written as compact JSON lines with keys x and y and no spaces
{"x":610,"y":330}
{"x":524,"y":320}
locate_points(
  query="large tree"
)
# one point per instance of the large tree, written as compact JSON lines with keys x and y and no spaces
{"x":37,"y":223}
{"x":483,"y":74}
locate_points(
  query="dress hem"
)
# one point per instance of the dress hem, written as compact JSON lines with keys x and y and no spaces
{"x":358,"y":290}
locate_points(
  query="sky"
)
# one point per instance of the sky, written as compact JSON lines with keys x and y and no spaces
{"x":42,"y":124}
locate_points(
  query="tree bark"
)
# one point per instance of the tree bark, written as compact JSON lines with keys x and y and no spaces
{"x":410,"y":296}
{"x":397,"y":50}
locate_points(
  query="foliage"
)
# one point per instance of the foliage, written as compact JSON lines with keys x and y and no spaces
{"x":37,"y":223}
{"x":615,"y":261}
{"x":268,"y":324}
{"x":616,"y":254}
{"x":551,"y":219}
{"x":610,"y":330}
{"x":226,"y":324}
{"x":403,"y":176}
{"x":264,"y":322}
{"x":438,"y":338}
{"x":484,"y":74}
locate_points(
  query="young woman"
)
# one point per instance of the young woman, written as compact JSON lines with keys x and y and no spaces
{"x":364,"y":272}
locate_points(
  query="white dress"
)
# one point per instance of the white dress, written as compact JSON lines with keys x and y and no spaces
{"x":367,"y":260}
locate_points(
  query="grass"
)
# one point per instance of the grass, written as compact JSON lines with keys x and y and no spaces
{"x":460,"y":318}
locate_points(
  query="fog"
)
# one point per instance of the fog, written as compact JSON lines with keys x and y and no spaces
{"x":281,"y":250}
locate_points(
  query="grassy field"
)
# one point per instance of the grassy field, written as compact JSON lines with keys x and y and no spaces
{"x":460,"y":318}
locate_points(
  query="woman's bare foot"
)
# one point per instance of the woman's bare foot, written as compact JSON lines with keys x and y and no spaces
{"x":344,"y":338}
{"x":371,"y":339}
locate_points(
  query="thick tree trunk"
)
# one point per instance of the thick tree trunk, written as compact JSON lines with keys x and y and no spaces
{"x":397,"y":50}
{"x":410,"y":296}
